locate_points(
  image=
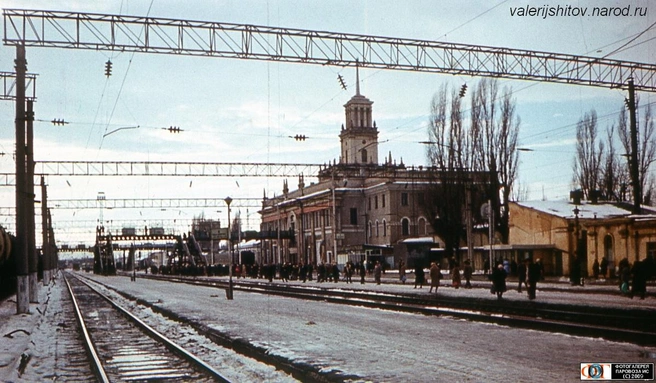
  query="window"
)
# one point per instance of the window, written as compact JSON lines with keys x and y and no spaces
{"x":405,"y":226}
{"x":383,"y":196}
{"x":384,"y":228}
{"x":651,"y":249}
{"x":422,"y":226}
{"x":404,"y":199}
{"x":608,"y":249}
{"x":420,"y":198}
{"x":376,"y":202}
{"x":369,"y":230}
{"x":377,"y":229}
{"x":369,"y":203}
{"x":354,"y":216}
{"x":364,"y":155}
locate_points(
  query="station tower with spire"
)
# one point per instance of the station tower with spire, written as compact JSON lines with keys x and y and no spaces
{"x":359,"y":137}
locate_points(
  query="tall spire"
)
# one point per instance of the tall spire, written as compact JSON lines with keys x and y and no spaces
{"x":357,"y":77}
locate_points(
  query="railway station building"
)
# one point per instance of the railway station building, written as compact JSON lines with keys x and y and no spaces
{"x":360,"y":210}
{"x":563,"y":234}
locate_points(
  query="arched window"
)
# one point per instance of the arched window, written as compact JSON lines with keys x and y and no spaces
{"x":377,"y":229}
{"x":608,"y":248}
{"x":384,"y":228}
{"x":422,"y":226}
{"x":364,"y":155}
{"x":405,"y":226}
{"x":369,"y":229}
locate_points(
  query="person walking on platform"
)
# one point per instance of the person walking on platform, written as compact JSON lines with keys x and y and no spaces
{"x":595,"y":269}
{"x":625,"y":275}
{"x":402,"y":276}
{"x":533,"y":274}
{"x":419,"y":275}
{"x":521,"y":276}
{"x":639,"y":286}
{"x":455,"y":276}
{"x":348,"y":272}
{"x":603,"y":267}
{"x":302,"y":272}
{"x":499,"y":281}
{"x":363,"y":272}
{"x":435,"y":276}
{"x":378,"y":270}
{"x":335,"y":270}
{"x":468,"y":271}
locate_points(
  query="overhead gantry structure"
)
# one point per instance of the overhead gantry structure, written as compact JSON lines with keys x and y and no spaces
{"x":8,"y":89}
{"x":91,"y":31}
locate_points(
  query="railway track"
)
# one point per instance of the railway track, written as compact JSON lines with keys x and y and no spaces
{"x":123,"y":348}
{"x":629,"y":325}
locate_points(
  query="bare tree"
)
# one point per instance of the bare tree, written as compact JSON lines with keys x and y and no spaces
{"x":497,"y":151}
{"x":589,"y":152}
{"x":646,"y":148}
{"x":446,"y":196}
{"x":519,"y":192}
{"x":615,"y":173}
{"x":461,"y":155}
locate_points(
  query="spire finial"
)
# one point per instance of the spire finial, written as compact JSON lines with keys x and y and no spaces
{"x":357,"y":77}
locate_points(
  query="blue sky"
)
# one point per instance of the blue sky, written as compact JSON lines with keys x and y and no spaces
{"x":243,"y":111}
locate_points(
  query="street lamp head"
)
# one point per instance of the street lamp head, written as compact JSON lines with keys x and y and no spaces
{"x":228,"y":200}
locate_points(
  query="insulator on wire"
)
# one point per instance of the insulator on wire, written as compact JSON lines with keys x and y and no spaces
{"x":174,"y":129}
{"x":299,"y":137}
{"x":108,"y":68}
{"x":463,"y":90}
{"x":341,"y":81}
{"x":59,"y":121}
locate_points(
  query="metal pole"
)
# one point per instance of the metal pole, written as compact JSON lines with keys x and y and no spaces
{"x":211,"y":242}
{"x":228,"y":200}
{"x":491,"y":232}
{"x":334,"y":220}
{"x":279,"y":245}
{"x":22,"y":263}
{"x":468,"y":217}
{"x":45,"y":243}
{"x":635,"y":171}
{"x":32,"y":256}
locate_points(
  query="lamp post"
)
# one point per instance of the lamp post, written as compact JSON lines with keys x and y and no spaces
{"x":228,"y":200}
{"x":575,"y":272}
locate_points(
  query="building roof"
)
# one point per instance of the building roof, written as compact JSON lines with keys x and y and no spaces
{"x":565,"y":209}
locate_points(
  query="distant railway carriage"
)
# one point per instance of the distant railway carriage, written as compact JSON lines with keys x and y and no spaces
{"x":7,"y":265}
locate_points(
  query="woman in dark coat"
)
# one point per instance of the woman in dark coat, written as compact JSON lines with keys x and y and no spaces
{"x":499,"y":281}
{"x":419,"y":275}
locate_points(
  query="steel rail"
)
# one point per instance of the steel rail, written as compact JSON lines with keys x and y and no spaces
{"x":96,"y":364}
{"x":168,"y":343}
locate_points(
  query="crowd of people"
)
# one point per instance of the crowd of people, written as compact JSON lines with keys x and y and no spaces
{"x":632,"y":278}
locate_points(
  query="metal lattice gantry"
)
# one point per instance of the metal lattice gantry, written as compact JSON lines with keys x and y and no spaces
{"x":197,"y":169}
{"x":92,"y":31}
{"x":152,"y":203}
{"x":8,"y":91}
{"x":143,"y":203}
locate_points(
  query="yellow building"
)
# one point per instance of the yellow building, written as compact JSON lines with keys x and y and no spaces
{"x":549,"y":229}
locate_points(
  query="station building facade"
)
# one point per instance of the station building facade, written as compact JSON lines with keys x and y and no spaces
{"x":359,"y":210}
{"x":561,"y":233}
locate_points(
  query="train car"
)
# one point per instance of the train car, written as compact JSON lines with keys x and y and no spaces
{"x":7,"y":265}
